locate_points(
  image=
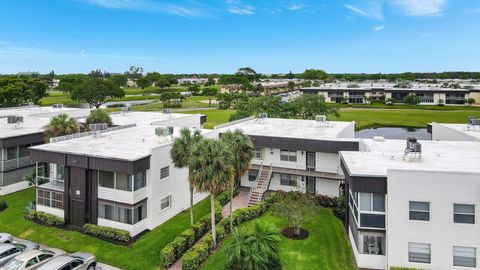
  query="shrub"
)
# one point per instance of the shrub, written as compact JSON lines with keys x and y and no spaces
{"x":107,"y":232}
{"x":224,"y":197}
{"x":326,"y":201}
{"x":3,"y":205}
{"x":339,"y":211}
{"x":189,"y":236}
{"x":198,"y":254}
{"x":167,"y":255}
{"x":45,"y":218}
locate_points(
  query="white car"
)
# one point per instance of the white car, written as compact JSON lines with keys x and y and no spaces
{"x":32,"y":259}
{"x":5,"y":238}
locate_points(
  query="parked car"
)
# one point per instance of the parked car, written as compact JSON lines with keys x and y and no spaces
{"x":32,"y":259}
{"x":76,"y":261}
{"x":5,"y":238}
{"x":8,"y":251}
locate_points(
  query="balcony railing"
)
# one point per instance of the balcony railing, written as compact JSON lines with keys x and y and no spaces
{"x":12,"y":164}
{"x":329,"y":173}
{"x":122,"y":196}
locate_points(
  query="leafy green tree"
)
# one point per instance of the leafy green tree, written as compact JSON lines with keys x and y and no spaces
{"x":119,"y":79}
{"x":210,"y":92}
{"x":296,"y":207}
{"x":291,"y":86}
{"x":411,"y":99}
{"x":171,"y":99}
{"x":96,"y":92}
{"x":470,"y":101}
{"x":18,"y":91}
{"x":254,"y":250}
{"x":308,"y":106}
{"x":181,"y":153}
{"x":314,"y":74}
{"x":194,"y":89}
{"x":163,"y":83}
{"x":211,"y":165}
{"x":143,"y":83}
{"x":61,"y":125}
{"x":153,"y":77}
{"x":224,"y":101}
{"x":134,"y":73}
{"x":390,"y":101}
{"x":210,"y":82}
{"x":99,"y":116}
{"x":242,"y":152}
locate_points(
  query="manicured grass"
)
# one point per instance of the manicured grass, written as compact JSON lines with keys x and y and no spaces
{"x":56,"y":97}
{"x":142,"y":255}
{"x":402,"y":118}
{"x":327,"y":246}
{"x":190,"y":102}
{"x":214,"y":117}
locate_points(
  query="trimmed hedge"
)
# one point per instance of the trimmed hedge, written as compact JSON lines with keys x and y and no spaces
{"x":3,"y":205}
{"x":175,"y":249}
{"x":107,"y":232}
{"x":326,"y":201}
{"x":194,"y":257}
{"x":45,"y":218}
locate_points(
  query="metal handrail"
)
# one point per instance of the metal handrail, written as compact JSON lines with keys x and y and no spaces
{"x":254,"y":184}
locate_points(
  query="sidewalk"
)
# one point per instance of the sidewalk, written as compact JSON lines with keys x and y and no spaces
{"x":100,"y":266}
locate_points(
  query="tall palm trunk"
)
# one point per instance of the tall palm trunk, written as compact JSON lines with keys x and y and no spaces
{"x":231,"y":203}
{"x":212,"y":213}
{"x":191,"y":205}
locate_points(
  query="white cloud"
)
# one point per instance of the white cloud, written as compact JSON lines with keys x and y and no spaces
{"x":421,"y":8}
{"x":371,"y":10}
{"x":296,"y":7}
{"x":378,"y":28}
{"x":238,"y":8}
{"x":149,"y":6}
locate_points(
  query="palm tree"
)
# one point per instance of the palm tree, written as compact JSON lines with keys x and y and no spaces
{"x":211,"y":165}
{"x":181,"y":154}
{"x":238,"y":248}
{"x":99,"y":116}
{"x":265,"y":239}
{"x":242,"y":151}
{"x":61,"y":125}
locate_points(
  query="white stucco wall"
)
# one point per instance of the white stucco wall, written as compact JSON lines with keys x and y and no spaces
{"x":50,"y":210}
{"x":443,"y":133}
{"x":442,"y":190}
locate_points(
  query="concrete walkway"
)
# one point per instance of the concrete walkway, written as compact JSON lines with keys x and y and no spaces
{"x":100,"y":266}
{"x":239,"y":201}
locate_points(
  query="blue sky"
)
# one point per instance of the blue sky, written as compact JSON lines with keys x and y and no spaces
{"x":193,"y":36}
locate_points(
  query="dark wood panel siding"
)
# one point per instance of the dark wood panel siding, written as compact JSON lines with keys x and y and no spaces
{"x":22,"y":140}
{"x":93,"y":196}
{"x":48,"y":157}
{"x":324,"y":146}
{"x":78,"y":196}
{"x":77,"y":161}
{"x":368,"y":184}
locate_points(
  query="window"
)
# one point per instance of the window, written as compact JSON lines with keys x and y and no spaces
{"x":374,"y":245}
{"x":288,"y":180}
{"x":60,"y":172}
{"x":43,"y":257}
{"x":23,"y":151}
{"x":373,"y":202}
{"x":464,"y":213}
{"x":257,"y":152}
{"x":165,"y":202}
{"x":11,"y":153}
{"x":465,"y":256}
{"x":57,"y":200}
{"x":32,"y":262}
{"x":164,"y":172}
{"x":43,"y":197}
{"x":419,"y":211}
{"x":75,"y":264}
{"x":252,"y":175}
{"x":288,"y":155}
{"x":122,"y":182}
{"x":419,"y":253}
{"x":122,"y":213}
{"x":139,"y":180}
{"x":106,"y":179}
{"x":140,"y":212}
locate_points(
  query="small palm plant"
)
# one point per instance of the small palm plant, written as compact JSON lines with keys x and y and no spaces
{"x":99,"y":116}
{"x":257,"y":249}
{"x":181,"y":154}
{"x":61,"y":125}
{"x":211,"y":165}
{"x":242,"y":150}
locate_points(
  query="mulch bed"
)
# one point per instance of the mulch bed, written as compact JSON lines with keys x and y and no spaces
{"x":289,"y":233}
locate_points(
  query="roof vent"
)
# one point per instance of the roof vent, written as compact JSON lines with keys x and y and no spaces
{"x":413,"y":149}
{"x":58,"y":106}
{"x":15,"y":121}
{"x":321,"y":120}
{"x":263,"y":117}
{"x":125,"y":109}
{"x":164,"y":133}
{"x":167,"y":111}
{"x":97,"y":128}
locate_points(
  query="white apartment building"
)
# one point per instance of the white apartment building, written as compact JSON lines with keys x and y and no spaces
{"x":292,"y":153}
{"x":121,"y":177}
{"x":20,"y":128}
{"x":456,"y":132}
{"x":415,"y":208}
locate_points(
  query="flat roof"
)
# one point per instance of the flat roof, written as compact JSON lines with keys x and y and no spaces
{"x":377,"y":157}
{"x":463,"y":128}
{"x":293,"y":128}
{"x":34,"y":119}
{"x":130,"y":144}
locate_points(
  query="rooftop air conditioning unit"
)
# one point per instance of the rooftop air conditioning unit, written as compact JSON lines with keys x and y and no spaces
{"x":164,"y":132}
{"x":413,"y":149}
{"x":321,"y":120}
{"x":97,"y":128}
{"x":125,"y":109}
{"x":167,"y":111}
{"x":58,"y":106}
{"x":14,"y":121}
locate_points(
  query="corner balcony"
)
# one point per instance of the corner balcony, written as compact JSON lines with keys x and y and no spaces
{"x":122,"y":196}
{"x":328,"y":173}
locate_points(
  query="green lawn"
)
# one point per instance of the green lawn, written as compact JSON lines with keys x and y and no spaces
{"x":403,"y":117}
{"x":214,"y":117}
{"x":142,"y":255}
{"x":327,"y":247}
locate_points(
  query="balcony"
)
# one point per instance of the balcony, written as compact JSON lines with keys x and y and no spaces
{"x":328,"y":173}
{"x":12,"y":164}
{"x":122,"y":196}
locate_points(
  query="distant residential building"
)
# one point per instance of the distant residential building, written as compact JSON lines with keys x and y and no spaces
{"x":192,"y":80}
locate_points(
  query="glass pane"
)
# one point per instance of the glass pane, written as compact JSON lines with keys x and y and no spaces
{"x":464,"y":208}
{"x":23,"y":151}
{"x":123,"y":182}
{"x":105,"y":179}
{"x":415,"y":215}
{"x":373,"y":245}
{"x":422,"y":206}
{"x":60,"y":171}
{"x":460,"y":218}
{"x":379,"y":202}
{"x":11,"y":153}
{"x":139,"y":180}
{"x":365,"y":201}
{"x":418,"y":252}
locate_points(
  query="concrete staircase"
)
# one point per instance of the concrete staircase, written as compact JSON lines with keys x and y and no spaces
{"x":260,"y":186}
